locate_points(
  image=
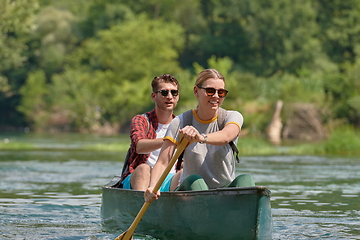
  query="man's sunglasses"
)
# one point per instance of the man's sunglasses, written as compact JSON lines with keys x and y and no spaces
{"x":211,"y":91}
{"x":165,"y":93}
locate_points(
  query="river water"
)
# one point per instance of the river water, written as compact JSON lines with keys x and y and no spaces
{"x":55,"y":193}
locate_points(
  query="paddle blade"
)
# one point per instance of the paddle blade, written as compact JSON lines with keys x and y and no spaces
{"x":125,"y":236}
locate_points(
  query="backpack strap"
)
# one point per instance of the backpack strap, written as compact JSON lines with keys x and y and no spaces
{"x":187,"y":120}
{"x":221,"y":123}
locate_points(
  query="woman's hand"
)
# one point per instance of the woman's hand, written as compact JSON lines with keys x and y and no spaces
{"x":191,"y":134}
{"x":150,"y":196}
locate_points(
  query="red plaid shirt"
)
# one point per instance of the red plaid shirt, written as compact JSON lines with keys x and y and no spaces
{"x":139,"y":129}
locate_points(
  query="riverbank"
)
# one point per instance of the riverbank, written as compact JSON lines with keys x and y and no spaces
{"x":342,"y":142}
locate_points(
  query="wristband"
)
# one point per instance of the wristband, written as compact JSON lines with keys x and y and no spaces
{"x":205,"y":138}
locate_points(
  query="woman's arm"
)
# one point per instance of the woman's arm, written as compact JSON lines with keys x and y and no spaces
{"x":219,"y":138}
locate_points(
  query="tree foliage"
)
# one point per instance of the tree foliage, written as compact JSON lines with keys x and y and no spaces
{"x":16,"y":22}
{"x":107,"y":78}
{"x":339,"y":23}
{"x":16,"y":19}
{"x":80,"y":65}
{"x":33,"y":103}
{"x":56,"y":35}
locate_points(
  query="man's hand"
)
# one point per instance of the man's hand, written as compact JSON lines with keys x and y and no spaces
{"x":150,"y":196}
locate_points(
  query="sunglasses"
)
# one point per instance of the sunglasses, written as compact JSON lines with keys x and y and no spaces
{"x":165,"y":93}
{"x":211,"y":91}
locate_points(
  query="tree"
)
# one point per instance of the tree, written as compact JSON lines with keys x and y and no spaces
{"x":103,"y":15}
{"x":108,"y":78}
{"x":265,"y":36}
{"x":16,"y":22}
{"x":33,"y":104}
{"x":343,"y":91}
{"x":16,"y":19}
{"x":339,"y":33}
{"x":56,"y":34}
{"x":133,"y":49}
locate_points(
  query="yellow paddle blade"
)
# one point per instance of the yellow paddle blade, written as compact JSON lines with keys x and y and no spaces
{"x":124,"y":236}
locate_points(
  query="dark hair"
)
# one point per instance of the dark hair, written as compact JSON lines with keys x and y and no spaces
{"x":207,"y":74}
{"x":166,"y":78}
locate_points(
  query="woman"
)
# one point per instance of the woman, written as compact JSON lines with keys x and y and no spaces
{"x":208,"y":160}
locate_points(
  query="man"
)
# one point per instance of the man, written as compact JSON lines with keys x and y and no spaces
{"x":147,"y":134}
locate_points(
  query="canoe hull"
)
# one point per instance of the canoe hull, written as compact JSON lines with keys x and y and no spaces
{"x":226,"y":213}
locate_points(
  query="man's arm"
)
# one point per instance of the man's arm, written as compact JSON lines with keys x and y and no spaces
{"x":165,"y":156}
{"x":145,"y":146}
{"x":139,"y":131}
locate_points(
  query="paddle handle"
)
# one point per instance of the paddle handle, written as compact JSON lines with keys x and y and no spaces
{"x":183,"y":143}
{"x":129,"y":233}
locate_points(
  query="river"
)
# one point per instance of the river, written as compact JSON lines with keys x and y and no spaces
{"x":55,"y":193}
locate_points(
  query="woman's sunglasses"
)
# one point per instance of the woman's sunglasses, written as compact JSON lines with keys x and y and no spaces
{"x":211,"y":91}
{"x":165,"y":93}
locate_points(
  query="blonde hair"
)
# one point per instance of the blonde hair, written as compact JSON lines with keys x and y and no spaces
{"x":207,"y":74}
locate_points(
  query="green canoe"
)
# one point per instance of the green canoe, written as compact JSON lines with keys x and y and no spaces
{"x":224,"y":213}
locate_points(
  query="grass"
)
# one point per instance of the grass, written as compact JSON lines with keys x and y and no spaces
{"x":115,"y":147}
{"x":256,"y":146}
{"x":16,"y":146}
{"x":342,"y":141}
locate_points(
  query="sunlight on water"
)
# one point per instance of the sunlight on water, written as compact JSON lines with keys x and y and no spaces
{"x":56,"y":194}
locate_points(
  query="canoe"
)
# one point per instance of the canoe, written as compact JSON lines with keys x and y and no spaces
{"x":224,"y":213}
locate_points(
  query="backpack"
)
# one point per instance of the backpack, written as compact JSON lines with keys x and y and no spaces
{"x":220,"y":121}
{"x":117,"y":181}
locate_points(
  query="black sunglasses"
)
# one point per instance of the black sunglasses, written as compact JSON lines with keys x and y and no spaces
{"x":211,"y":91}
{"x":165,"y":93}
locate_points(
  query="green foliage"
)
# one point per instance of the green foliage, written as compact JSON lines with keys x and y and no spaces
{"x":343,"y":141}
{"x":33,"y":104}
{"x":109,"y":77}
{"x":104,"y":15}
{"x":256,"y":146}
{"x":78,"y":8}
{"x":339,"y":23}
{"x":343,"y":90}
{"x":90,"y":99}
{"x":99,"y":57}
{"x":16,"y":20}
{"x":5,"y":88}
{"x":16,"y":146}
{"x":133,"y":49}
{"x":71,"y":97}
{"x":55,"y":32}
{"x":260,"y":39}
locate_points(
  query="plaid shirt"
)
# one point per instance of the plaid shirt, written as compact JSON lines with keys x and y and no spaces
{"x":140,"y":130}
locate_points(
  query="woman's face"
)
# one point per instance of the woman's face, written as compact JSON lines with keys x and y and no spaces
{"x":205,"y":100}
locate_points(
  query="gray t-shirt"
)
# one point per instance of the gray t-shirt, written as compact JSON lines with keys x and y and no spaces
{"x":214,"y":163}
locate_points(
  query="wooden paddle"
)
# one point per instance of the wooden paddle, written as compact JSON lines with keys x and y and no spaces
{"x":127,"y":235}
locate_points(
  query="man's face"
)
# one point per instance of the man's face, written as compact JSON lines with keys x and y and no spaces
{"x":164,"y":97}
